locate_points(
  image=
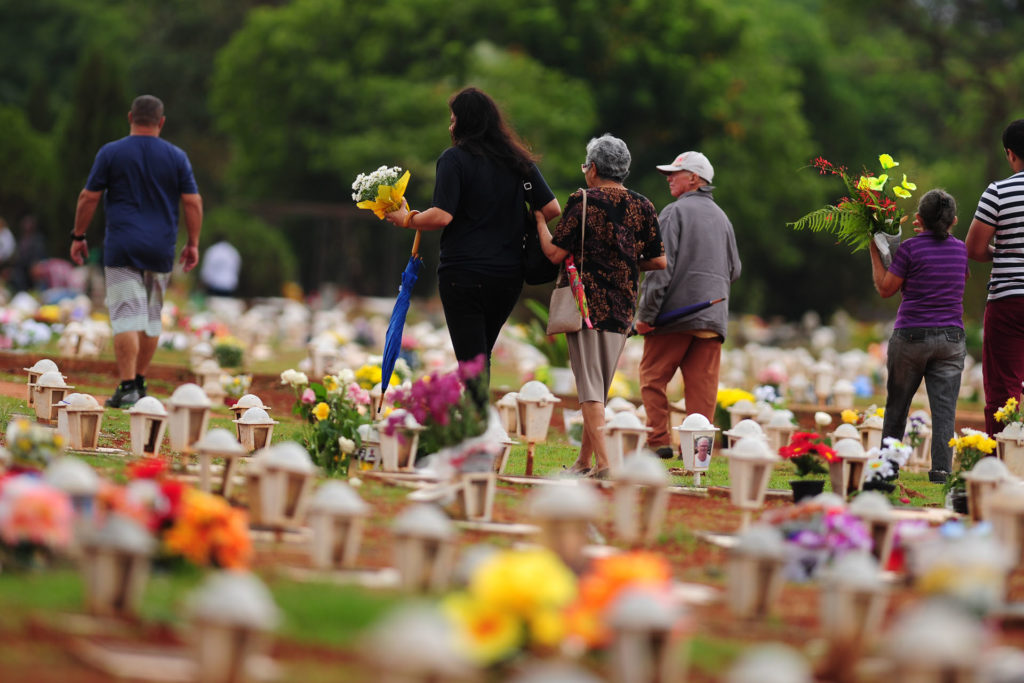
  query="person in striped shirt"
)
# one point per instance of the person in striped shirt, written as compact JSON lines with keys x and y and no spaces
{"x":928,"y":337}
{"x":1000,"y":215}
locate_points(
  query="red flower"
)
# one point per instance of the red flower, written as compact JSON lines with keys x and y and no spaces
{"x":147,"y":468}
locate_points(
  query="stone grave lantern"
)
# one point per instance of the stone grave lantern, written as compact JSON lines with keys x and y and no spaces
{"x":871,"y":432}
{"x":147,"y":422}
{"x":824,"y":374}
{"x":71,"y":338}
{"x":247,"y":401}
{"x":847,"y":474}
{"x":745,"y":429}
{"x":84,"y":415}
{"x":982,"y":480}
{"x":1010,"y":447}
{"x":218,"y":443}
{"x":81,"y":484}
{"x":323,"y":355}
{"x":188,"y":416}
{"x":337,"y":515}
{"x":921,"y":457}
{"x":368,"y":454}
{"x":231,"y":616}
{"x":750,"y":468}
{"x":641,"y":498}
{"x":564,"y":514}
{"x":501,"y":461}
{"x":799,"y":387}
{"x":755,"y":571}
{"x":475,"y":494}
{"x":62,"y":416}
{"x":845,"y":431}
{"x":41,"y":366}
{"x":842,"y":394}
{"x":424,"y":548}
{"x":853,"y":600}
{"x":676,"y":415}
{"x":508,"y":412}
{"x":398,"y":450}
{"x":741,"y":410}
{"x":875,"y":510}
{"x":772,"y":663}
{"x":779,"y":429}
{"x":115,"y":566}
{"x":696,"y":444}
{"x":536,"y":404}
{"x":644,"y":647}
{"x":623,"y":434}
{"x":255,"y":428}
{"x":49,"y":391}
{"x":198,"y":353}
{"x":278,"y":484}
{"x":416,"y":644}
{"x":935,"y":643}
{"x":208,"y":372}
{"x":765,"y":411}
{"x":1006,"y":514}
{"x":555,"y":672}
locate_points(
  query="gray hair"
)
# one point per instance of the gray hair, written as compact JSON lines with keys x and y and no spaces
{"x":610,"y":157}
{"x":147,"y":110}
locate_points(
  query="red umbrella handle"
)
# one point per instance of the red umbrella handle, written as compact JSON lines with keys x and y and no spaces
{"x":416,"y":244}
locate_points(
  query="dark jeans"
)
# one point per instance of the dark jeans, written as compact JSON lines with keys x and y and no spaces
{"x":1002,"y":359}
{"x":935,"y":354}
{"x":475,"y":308}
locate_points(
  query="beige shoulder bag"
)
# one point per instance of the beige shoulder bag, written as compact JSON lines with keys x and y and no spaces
{"x":563,"y":312}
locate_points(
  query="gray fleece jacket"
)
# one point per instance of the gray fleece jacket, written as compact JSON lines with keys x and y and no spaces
{"x":702,"y":262}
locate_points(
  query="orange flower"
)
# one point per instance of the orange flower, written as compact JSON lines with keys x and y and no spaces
{"x":210,"y":532}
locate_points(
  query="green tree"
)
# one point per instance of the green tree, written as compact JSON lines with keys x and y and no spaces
{"x":28,"y":164}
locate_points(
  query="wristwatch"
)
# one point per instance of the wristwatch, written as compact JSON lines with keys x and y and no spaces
{"x":77,"y":238}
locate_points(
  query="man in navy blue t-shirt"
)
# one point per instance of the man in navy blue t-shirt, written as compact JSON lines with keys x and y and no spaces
{"x":144,"y":179}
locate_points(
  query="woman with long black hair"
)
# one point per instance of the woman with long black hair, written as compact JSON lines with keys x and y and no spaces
{"x":478,"y":202}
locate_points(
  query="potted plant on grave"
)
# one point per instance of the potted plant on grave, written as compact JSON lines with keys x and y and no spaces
{"x":883,"y":469}
{"x":228,"y":352}
{"x":451,"y":407}
{"x":968,"y":448}
{"x":810,"y":454}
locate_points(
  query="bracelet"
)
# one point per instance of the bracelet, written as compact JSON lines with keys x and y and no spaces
{"x":77,"y":238}
{"x":407,"y":223}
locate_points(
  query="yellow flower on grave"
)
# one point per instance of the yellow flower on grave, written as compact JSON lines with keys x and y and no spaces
{"x":880,"y":412}
{"x":485,"y":633}
{"x":906,"y":184}
{"x":548,"y":628}
{"x":620,"y":386}
{"x":900,"y":192}
{"x":524,"y":582}
{"x":887,"y":161}
{"x":850,"y":416}
{"x":726,"y":397}
{"x":330,"y":383}
{"x":321,"y":411}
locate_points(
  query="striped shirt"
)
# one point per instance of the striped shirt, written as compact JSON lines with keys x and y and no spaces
{"x":934,"y":271}
{"x":1002,"y":207}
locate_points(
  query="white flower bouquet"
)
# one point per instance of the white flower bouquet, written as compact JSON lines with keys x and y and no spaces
{"x":380,"y":191}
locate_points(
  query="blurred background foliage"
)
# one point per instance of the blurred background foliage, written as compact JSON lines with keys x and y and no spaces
{"x":280,"y":105}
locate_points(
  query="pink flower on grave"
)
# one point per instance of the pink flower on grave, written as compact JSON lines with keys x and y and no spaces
{"x":34,"y":512}
{"x":308,"y":397}
{"x":358,"y":395}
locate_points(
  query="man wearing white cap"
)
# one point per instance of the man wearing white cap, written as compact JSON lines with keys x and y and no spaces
{"x":702,"y":263}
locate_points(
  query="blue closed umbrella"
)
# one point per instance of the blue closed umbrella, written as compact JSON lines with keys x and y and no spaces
{"x":393,"y":338}
{"x":682,"y":312}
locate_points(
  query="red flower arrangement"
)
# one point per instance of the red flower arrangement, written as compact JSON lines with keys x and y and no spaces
{"x":807,"y":451}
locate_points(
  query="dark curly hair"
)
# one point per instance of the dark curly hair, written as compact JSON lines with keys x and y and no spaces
{"x":480,"y":129}
{"x":937,"y":210}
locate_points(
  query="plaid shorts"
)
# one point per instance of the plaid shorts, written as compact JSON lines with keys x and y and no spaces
{"x":134,"y":299}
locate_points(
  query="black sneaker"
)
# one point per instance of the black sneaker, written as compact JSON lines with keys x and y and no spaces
{"x":664,"y":452}
{"x":123,"y":398}
{"x":938,"y":476}
{"x":140,"y":385}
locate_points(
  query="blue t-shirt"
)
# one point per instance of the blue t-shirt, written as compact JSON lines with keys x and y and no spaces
{"x":144,"y":178}
{"x":934,"y":271}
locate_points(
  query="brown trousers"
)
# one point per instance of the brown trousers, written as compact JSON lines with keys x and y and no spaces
{"x":697,"y":358}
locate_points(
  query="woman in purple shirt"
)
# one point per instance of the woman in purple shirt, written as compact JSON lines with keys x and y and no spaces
{"x":928,"y":340}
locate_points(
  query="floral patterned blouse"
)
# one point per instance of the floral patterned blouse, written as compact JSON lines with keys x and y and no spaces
{"x":622,"y":230}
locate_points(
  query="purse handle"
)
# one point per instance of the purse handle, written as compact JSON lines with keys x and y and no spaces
{"x":583,"y":237}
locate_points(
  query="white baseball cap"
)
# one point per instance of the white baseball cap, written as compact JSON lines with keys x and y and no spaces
{"x":695,"y":162}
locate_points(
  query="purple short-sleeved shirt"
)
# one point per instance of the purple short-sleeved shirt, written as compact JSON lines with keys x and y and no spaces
{"x":934,"y":272}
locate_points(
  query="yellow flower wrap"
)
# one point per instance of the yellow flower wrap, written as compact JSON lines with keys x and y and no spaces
{"x":389,"y":197}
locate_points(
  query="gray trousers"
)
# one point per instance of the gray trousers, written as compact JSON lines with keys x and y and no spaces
{"x":935,"y":354}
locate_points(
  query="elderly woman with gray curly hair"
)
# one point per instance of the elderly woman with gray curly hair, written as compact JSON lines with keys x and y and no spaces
{"x":620,"y":238}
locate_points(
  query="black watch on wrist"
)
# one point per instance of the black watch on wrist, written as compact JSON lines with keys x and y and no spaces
{"x":77,"y":238}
